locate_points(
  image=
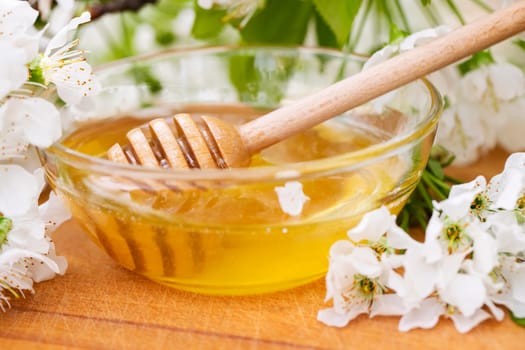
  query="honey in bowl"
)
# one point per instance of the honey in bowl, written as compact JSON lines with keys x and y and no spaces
{"x":242,"y":230}
{"x":230,"y":233}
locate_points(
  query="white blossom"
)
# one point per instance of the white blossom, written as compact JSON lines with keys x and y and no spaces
{"x":471,"y":262}
{"x":492,"y":84}
{"x":485,"y":105}
{"x":66,"y":67}
{"x":464,"y":133}
{"x":355,"y":282}
{"x":25,"y":122}
{"x":414,"y":40}
{"x":396,"y":48}
{"x":362,"y":269}
{"x":27,"y":253}
{"x":17,"y":44}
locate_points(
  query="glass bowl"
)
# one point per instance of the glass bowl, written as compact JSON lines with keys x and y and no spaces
{"x":249,"y":230}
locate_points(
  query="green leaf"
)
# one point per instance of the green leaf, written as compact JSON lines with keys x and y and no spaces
{"x":426,"y":2}
{"x":260,"y":81}
{"x":164,"y":37}
{"x":325,"y":35}
{"x":477,"y":60}
{"x":279,"y":22}
{"x":339,"y":15}
{"x":518,"y":321}
{"x":520,"y":43}
{"x":396,"y":33}
{"x":208,"y":23}
{"x":143,"y":75}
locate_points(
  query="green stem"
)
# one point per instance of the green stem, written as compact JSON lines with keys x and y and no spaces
{"x":452,"y":180}
{"x":354,"y":39}
{"x":385,"y":10}
{"x":483,"y":5}
{"x":126,"y":36}
{"x":437,"y":181}
{"x":422,"y":221}
{"x":429,"y":14}
{"x":378,"y":19}
{"x":404,"y":18}
{"x":424,"y":194}
{"x":404,"y":220}
{"x":434,"y":186}
{"x":456,"y":11}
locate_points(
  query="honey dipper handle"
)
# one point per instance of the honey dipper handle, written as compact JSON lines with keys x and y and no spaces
{"x":382,"y":78}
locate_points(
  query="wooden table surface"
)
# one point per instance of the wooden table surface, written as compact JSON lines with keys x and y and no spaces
{"x":98,"y":305}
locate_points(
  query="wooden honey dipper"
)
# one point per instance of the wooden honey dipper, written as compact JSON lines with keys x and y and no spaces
{"x":213,"y":143}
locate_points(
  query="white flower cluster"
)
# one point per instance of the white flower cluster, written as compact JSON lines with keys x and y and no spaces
{"x":28,"y":121}
{"x":471,"y":262}
{"x":484,"y":105}
{"x":485,"y":109}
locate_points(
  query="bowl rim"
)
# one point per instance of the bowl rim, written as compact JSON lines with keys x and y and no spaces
{"x":331,"y":164}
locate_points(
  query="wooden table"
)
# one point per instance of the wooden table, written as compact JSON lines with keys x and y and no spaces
{"x":98,"y":305}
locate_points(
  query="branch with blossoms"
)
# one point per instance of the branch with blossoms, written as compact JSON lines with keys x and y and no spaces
{"x":471,"y":263}
{"x":485,"y":95}
{"x":27,"y":253}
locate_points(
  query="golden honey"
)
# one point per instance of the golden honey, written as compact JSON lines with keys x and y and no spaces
{"x":231,"y":235}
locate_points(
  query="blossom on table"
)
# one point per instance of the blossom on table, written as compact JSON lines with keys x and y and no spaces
{"x":471,"y":262}
{"x":362,"y":268}
{"x":26,"y":252}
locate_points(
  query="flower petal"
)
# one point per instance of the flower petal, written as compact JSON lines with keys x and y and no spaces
{"x":74,"y":82}
{"x":19,"y":190}
{"x":61,"y":38}
{"x":291,"y":197}
{"x":464,"y":324}
{"x":508,"y":81}
{"x":372,"y":226}
{"x":466,"y":292}
{"x":485,"y":252}
{"x":388,"y":305}
{"x":332,"y":318}
{"x":54,"y":212}
{"x":425,"y":316}
{"x":517,"y":281}
{"x":420,"y":278}
{"x":38,"y":119}
{"x":399,"y":239}
{"x":365,"y":262}
{"x":17,"y":18}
